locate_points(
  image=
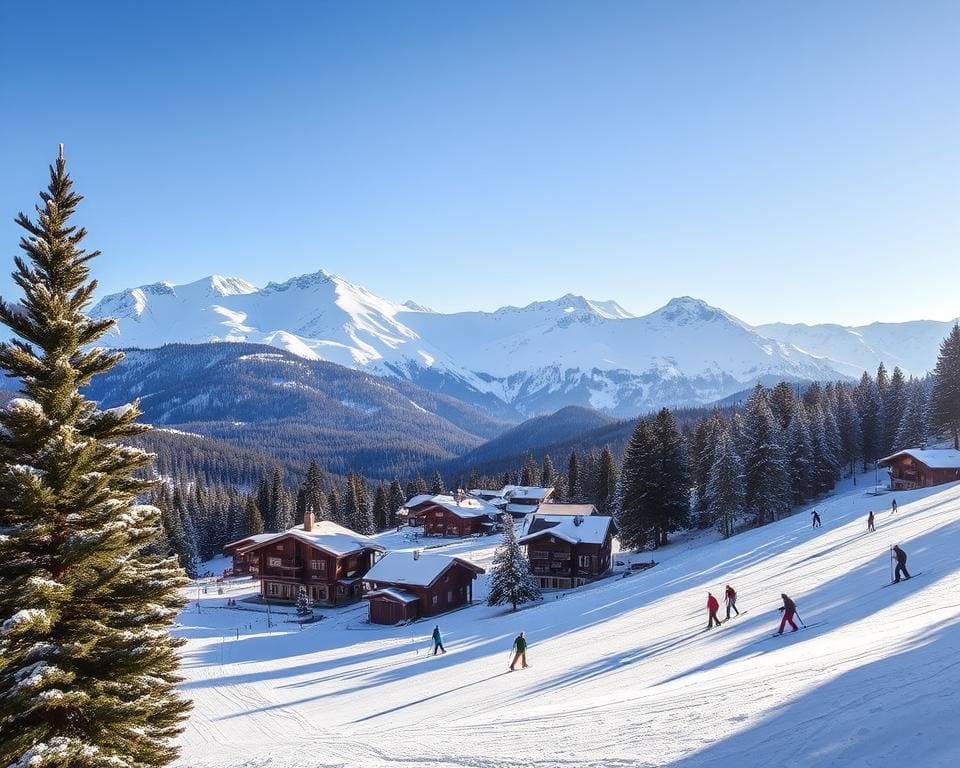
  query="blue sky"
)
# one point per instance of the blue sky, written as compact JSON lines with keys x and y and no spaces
{"x":786,"y":161}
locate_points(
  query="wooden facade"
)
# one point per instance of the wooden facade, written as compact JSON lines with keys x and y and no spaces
{"x":560,"y":559}
{"x":296,"y":559}
{"x":922,"y":468}
{"x":244,"y":562}
{"x":440,"y":520}
{"x":394,"y":597}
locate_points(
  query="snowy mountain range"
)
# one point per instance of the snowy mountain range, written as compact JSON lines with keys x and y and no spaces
{"x":533,"y":359}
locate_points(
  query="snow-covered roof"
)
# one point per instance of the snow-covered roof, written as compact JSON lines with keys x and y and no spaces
{"x":325,"y":535}
{"x":255,"y":538}
{"x":521,"y":509}
{"x":569,"y":509}
{"x":935,"y":458}
{"x":416,"y":501}
{"x":570,"y":528}
{"x":525,"y":492}
{"x":466,"y":507}
{"x":395,"y":594}
{"x":483,"y":493}
{"x":418,"y":571}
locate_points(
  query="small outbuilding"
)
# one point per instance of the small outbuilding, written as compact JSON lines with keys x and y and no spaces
{"x":404,"y":586}
{"x":922,"y":467}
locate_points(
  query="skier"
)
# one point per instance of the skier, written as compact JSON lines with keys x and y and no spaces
{"x":520,"y":652}
{"x":713,"y":606}
{"x":870,"y":526}
{"x":789,"y":609}
{"x":730,"y":594}
{"x":893,"y":507}
{"x":816,"y":519}
{"x":437,"y":641}
{"x":901,"y":557}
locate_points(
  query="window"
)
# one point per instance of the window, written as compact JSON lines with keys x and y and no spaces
{"x":435,"y":600}
{"x":449,"y":596}
{"x":273,"y":589}
{"x":274,"y":562}
{"x":318,"y":565}
{"x":279,"y":548}
{"x":584,"y":561}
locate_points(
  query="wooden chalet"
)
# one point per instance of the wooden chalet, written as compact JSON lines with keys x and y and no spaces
{"x":567,"y":551}
{"x":404,"y":586}
{"x":922,"y":467}
{"x":325,"y":558}
{"x":524,"y":499}
{"x":451,"y":515}
{"x":244,"y":563}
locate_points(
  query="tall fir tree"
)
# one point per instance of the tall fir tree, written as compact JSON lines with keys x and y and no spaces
{"x":530,"y":475}
{"x":573,"y":477}
{"x":335,"y":505}
{"x":395,"y":501}
{"x":767,"y":485}
{"x":914,"y":424}
{"x":801,"y":461}
{"x":88,"y":668}
{"x":548,"y":475}
{"x":511,"y":582}
{"x":867,"y":400}
{"x":851,"y":433}
{"x":894,"y":404}
{"x":725,"y":493}
{"x":252,"y":519}
{"x":945,"y":398}
{"x":264,"y":505}
{"x":606,"y":482}
{"x":669,"y":493}
{"x":380,"y":515}
{"x":438,"y":487}
{"x":634,"y":515}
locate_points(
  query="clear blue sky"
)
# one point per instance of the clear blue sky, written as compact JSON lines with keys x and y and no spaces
{"x":786,"y":161}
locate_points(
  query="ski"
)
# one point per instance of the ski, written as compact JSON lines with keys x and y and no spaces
{"x":736,"y":616}
{"x":913,"y":576}
{"x":805,"y":626}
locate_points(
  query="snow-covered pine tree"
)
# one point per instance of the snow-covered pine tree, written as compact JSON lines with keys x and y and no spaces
{"x":263,"y":504}
{"x":801,"y":462}
{"x":894,"y":404}
{"x":380,"y":513}
{"x":304,"y":607}
{"x":438,"y":487}
{"x":669,"y":490}
{"x":394,"y":502}
{"x":914,"y":424}
{"x":252,"y":519}
{"x":945,"y":398}
{"x":365,"y":523}
{"x":548,"y":474}
{"x":725,"y":487}
{"x":530,"y":474}
{"x":634,"y":522}
{"x":510,"y":579}
{"x":573,"y":477}
{"x":88,"y":670}
{"x":781,"y":403}
{"x":851,"y":433}
{"x":867,"y":400}
{"x":335,"y":505}
{"x":764,"y":464}
{"x":606,"y":482}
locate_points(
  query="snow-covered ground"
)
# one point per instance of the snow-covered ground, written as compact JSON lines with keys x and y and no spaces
{"x":622,"y":672}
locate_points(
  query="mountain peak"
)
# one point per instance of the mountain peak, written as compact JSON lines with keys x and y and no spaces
{"x":687,"y":310}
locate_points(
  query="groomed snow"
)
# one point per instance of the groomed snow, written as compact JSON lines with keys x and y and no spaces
{"x":622,"y":672}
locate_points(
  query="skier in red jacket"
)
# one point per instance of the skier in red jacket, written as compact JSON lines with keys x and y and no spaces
{"x":730,"y":595}
{"x":713,"y":605}
{"x":789,"y":609}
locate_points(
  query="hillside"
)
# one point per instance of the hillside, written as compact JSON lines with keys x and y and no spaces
{"x":622,"y":672}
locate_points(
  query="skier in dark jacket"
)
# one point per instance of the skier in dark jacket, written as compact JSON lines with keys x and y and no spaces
{"x":893,"y":507}
{"x":816,"y":519}
{"x":713,"y":605}
{"x":437,"y":641}
{"x":520,"y":652}
{"x":870,"y":525}
{"x":789,"y":609}
{"x":730,"y":595}
{"x":901,"y":557}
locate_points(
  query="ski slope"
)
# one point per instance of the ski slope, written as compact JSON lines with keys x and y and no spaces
{"x":622,"y":672}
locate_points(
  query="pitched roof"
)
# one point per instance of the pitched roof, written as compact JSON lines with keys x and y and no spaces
{"x":525,"y":492}
{"x":570,"y":528}
{"x":421,"y":571}
{"x":569,"y":509}
{"x":935,"y":458}
{"x":325,"y":535}
{"x":416,"y":501}
{"x":252,"y":539}
{"x":466,"y":507}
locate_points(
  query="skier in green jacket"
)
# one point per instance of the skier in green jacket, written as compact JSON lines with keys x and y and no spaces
{"x":520,"y":652}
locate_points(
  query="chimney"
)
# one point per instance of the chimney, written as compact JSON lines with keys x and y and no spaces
{"x":578,"y":520}
{"x":416,"y":554}
{"x":308,"y":519}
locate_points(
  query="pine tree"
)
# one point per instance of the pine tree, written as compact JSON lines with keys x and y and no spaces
{"x":894,"y":404}
{"x":764,"y":465}
{"x":394,"y":503}
{"x":304,"y":607}
{"x":945,"y":398}
{"x":867,"y":400}
{"x":351,"y":506}
{"x":781,"y":403}
{"x":851,"y":433}
{"x":606,"y":482}
{"x":365,"y":522}
{"x":634,"y":512}
{"x":548,"y":475}
{"x":88,"y":669}
{"x":336,"y":508}
{"x":252,"y":519}
{"x":799,"y":446}
{"x":573,"y":477}
{"x":669,"y":493}
{"x":510,"y":579}
{"x":725,"y":487}
{"x":913,"y":425}
{"x":380,"y":514}
{"x":438,"y":487}
{"x":263,"y":504}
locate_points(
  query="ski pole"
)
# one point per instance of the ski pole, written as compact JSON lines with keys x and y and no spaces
{"x":795,"y":613}
{"x":891,"y":563}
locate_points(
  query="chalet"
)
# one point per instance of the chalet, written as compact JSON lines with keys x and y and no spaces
{"x":403,"y":586}
{"x":325,"y":558}
{"x":451,"y":515}
{"x":922,"y":467}
{"x":242,"y":562}
{"x":524,"y":499}
{"x":565,"y":550}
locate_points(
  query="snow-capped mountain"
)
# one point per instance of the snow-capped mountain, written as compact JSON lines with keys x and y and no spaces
{"x":533,"y":359}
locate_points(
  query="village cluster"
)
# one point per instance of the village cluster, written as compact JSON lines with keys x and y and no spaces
{"x":567,"y":546}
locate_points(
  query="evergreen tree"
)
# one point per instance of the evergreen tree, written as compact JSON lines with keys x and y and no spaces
{"x":945,"y":398}
{"x":606,"y":482}
{"x":867,"y":400}
{"x":394,"y":503}
{"x":913,"y":425}
{"x":365,"y":522}
{"x":438,"y":487}
{"x":510,"y":579}
{"x":263,"y":504}
{"x":280,"y":507}
{"x":531,"y":471}
{"x":801,"y":461}
{"x":252,"y":519}
{"x":669,"y":491}
{"x":548,"y":475}
{"x":88,"y":668}
{"x":725,"y":487}
{"x":336,"y":508}
{"x":304,"y":607}
{"x":851,"y":434}
{"x":380,"y":514}
{"x":781,"y":403}
{"x":702,"y":454}
{"x":894,"y":405}
{"x":764,"y":465}
{"x":351,"y":506}
{"x":313,"y":491}
{"x":634,"y":518}
{"x":573,"y":477}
